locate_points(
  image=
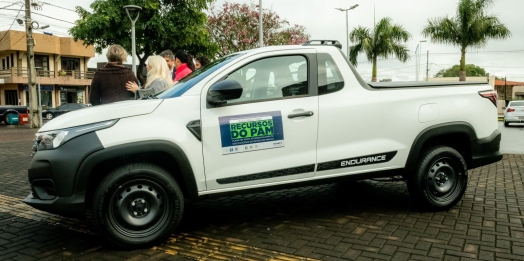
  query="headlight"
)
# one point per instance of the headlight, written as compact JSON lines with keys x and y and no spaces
{"x":53,"y":139}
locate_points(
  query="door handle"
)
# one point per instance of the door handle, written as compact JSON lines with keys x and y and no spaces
{"x":302,"y":114}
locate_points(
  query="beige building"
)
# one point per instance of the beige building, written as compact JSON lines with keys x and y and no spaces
{"x":63,"y":71}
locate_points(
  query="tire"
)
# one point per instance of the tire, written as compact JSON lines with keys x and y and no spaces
{"x":506,"y":124}
{"x":440,"y":179}
{"x":137,"y":205}
{"x":6,"y":121}
{"x":49,"y":116}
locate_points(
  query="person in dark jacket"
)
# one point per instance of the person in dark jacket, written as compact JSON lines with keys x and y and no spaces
{"x":108,"y":82}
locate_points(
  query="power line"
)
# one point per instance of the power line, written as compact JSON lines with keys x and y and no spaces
{"x":1,"y":39}
{"x":9,"y":5}
{"x":53,"y":18}
{"x":59,"y":7}
{"x":18,"y":40}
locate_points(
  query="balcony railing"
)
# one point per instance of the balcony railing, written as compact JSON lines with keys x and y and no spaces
{"x":22,"y":72}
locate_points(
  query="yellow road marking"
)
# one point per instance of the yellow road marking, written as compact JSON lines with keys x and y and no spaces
{"x":191,"y":246}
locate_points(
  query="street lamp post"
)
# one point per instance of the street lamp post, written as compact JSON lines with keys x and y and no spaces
{"x":260,"y":36}
{"x":39,"y":95}
{"x":418,"y":54}
{"x":347,"y":27}
{"x":131,"y":8}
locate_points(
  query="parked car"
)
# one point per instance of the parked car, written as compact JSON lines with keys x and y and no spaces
{"x":223,"y":130}
{"x":5,"y":110}
{"x":65,"y":108}
{"x":514,"y":113}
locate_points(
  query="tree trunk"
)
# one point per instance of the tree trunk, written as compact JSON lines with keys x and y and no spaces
{"x":374,"y":72}
{"x":462,"y":72}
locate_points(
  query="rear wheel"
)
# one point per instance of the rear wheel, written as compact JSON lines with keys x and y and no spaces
{"x":506,"y":124}
{"x":440,"y":179}
{"x":137,"y":205}
{"x":6,"y":119}
{"x":49,"y":116}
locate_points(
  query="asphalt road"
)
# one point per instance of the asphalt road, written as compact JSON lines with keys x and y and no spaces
{"x":512,"y":138}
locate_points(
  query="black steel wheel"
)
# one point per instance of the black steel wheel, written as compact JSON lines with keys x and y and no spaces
{"x":440,"y":179}
{"x":138,"y":205}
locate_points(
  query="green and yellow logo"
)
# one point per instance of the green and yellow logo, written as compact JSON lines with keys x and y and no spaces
{"x":254,"y":129}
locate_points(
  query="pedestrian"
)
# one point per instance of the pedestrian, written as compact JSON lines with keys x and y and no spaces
{"x":108,"y":83}
{"x":158,"y":78}
{"x":184,"y":65}
{"x":170,"y":60}
{"x":201,"y":61}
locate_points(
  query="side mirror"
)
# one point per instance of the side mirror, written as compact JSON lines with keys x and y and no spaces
{"x":503,"y":108}
{"x":222,"y":91}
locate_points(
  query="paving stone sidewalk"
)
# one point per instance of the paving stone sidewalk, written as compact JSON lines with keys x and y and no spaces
{"x":368,"y":220}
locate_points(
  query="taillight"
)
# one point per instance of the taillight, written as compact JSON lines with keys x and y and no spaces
{"x":491,"y":95}
{"x":510,"y":110}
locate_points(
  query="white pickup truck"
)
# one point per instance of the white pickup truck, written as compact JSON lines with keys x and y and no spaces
{"x":267,"y":118}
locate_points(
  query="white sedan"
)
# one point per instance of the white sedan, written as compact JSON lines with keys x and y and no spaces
{"x":514,"y":113}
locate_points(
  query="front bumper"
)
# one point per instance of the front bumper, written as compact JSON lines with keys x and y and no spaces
{"x":518,"y":119}
{"x":486,"y":150}
{"x":53,"y":174}
{"x":72,"y":206}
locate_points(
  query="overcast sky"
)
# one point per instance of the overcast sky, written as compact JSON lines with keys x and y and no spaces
{"x":323,"y":21}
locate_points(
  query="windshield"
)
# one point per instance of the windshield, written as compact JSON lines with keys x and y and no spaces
{"x":195,"y":77}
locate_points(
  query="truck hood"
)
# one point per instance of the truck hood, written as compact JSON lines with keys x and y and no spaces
{"x":100,"y":113}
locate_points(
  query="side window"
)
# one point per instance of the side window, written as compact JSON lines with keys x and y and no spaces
{"x":271,"y":78}
{"x":329,"y":76}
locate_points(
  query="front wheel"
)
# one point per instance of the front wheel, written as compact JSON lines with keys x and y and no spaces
{"x":440,"y":179}
{"x":137,"y":205}
{"x":506,"y":124}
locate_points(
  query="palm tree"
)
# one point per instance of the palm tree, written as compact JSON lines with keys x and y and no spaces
{"x":385,"y":40}
{"x":471,"y":27}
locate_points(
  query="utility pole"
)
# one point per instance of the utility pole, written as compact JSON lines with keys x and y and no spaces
{"x":427,"y":66}
{"x":505,"y":98}
{"x":33,"y":101}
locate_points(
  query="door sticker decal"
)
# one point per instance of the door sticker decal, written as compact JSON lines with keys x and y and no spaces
{"x":251,"y":132}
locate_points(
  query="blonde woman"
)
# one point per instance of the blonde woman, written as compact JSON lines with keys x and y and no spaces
{"x":158,"y":76}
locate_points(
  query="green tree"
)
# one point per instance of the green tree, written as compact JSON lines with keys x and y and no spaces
{"x":471,"y":27}
{"x":385,"y":40}
{"x":234,"y":27}
{"x":162,"y":24}
{"x":454,"y":71}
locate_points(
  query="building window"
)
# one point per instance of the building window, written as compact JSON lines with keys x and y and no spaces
{"x":11,"y":97}
{"x":71,"y":64}
{"x":42,"y":61}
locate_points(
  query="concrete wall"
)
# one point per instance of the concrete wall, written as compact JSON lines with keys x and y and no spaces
{"x":468,"y":79}
{"x":518,"y":92}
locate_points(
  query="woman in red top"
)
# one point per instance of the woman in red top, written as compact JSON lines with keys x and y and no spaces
{"x":184,"y":65}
